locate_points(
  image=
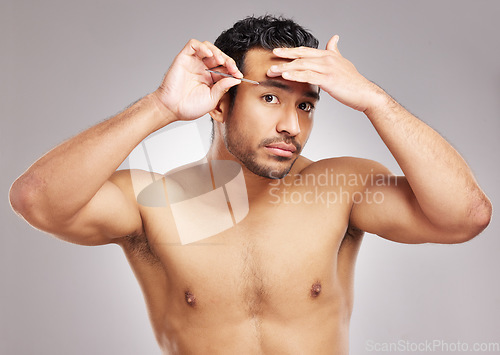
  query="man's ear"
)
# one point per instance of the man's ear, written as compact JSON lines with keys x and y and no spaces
{"x":220,"y":112}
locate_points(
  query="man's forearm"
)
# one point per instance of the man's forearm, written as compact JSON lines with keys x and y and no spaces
{"x":68,"y":176}
{"x":443,"y":184}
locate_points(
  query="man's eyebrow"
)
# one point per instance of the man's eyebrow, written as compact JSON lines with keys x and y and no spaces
{"x":281,"y":85}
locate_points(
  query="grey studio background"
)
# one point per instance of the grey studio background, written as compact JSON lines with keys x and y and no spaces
{"x":66,"y":65}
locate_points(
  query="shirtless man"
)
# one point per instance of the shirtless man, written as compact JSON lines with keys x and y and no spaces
{"x":281,"y":280}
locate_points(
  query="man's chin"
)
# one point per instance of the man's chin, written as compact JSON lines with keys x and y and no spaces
{"x":275,"y":171}
{"x":276,"y":175}
{"x":267,"y":166}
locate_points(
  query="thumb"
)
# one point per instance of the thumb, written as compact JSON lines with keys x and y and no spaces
{"x":332,"y":44}
{"x":221,"y":87}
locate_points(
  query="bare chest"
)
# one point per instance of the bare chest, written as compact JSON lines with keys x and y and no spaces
{"x":276,"y":254}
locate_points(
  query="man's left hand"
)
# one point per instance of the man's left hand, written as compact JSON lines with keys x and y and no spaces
{"x":330,"y":71}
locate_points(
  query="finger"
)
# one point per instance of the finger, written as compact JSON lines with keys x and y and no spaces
{"x":212,"y":56}
{"x":216,"y":77}
{"x":211,"y":63}
{"x":224,"y":60}
{"x":198,"y":49}
{"x":332,"y":44}
{"x":319,"y":64}
{"x":218,"y":55}
{"x":304,"y":76}
{"x":221,"y":87}
{"x":298,"y":52}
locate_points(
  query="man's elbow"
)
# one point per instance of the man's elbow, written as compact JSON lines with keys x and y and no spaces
{"x":479,"y":218}
{"x":24,"y":201}
{"x":19,"y":197}
{"x":482,"y":214}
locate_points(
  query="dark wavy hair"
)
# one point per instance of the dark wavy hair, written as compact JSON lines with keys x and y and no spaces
{"x":266,"y":32}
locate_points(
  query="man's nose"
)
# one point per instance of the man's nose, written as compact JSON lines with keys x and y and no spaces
{"x":289,"y":122}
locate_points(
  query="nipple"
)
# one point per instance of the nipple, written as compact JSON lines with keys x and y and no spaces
{"x":190,"y":299}
{"x":315,"y":289}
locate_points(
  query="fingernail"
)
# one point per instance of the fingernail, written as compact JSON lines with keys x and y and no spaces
{"x":274,"y":68}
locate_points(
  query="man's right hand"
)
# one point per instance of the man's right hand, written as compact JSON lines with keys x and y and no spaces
{"x":188,"y":91}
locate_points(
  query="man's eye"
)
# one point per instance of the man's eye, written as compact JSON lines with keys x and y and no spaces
{"x":271,"y":99}
{"x":306,"y":106}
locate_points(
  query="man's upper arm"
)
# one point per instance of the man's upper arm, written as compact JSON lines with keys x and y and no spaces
{"x":112,"y":213}
{"x":386,"y":205}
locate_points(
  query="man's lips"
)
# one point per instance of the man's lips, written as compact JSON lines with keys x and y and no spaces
{"x":281,"y":149}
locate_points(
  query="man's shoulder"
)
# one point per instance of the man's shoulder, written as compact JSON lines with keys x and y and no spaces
{"x":350,"y":172}
{"x":343,"y":165}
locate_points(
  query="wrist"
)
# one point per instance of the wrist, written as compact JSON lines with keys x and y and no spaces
{"x":379,"y":101}
{"x":164,"y":115}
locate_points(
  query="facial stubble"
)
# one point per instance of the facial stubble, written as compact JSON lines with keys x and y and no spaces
{"x":240,"y":148}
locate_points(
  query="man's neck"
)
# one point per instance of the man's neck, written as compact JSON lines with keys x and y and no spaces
{"x":256,"y":185}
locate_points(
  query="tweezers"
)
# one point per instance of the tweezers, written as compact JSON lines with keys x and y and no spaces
{"x":230,"y":76}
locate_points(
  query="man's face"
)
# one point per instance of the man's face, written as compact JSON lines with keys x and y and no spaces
{"x":271,"y":122}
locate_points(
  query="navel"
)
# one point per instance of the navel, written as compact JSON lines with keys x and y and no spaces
{"x":190,"y":298}
{"x":315,"y":289}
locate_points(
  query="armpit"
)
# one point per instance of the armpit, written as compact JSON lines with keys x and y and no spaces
{"x":138,"y":246}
